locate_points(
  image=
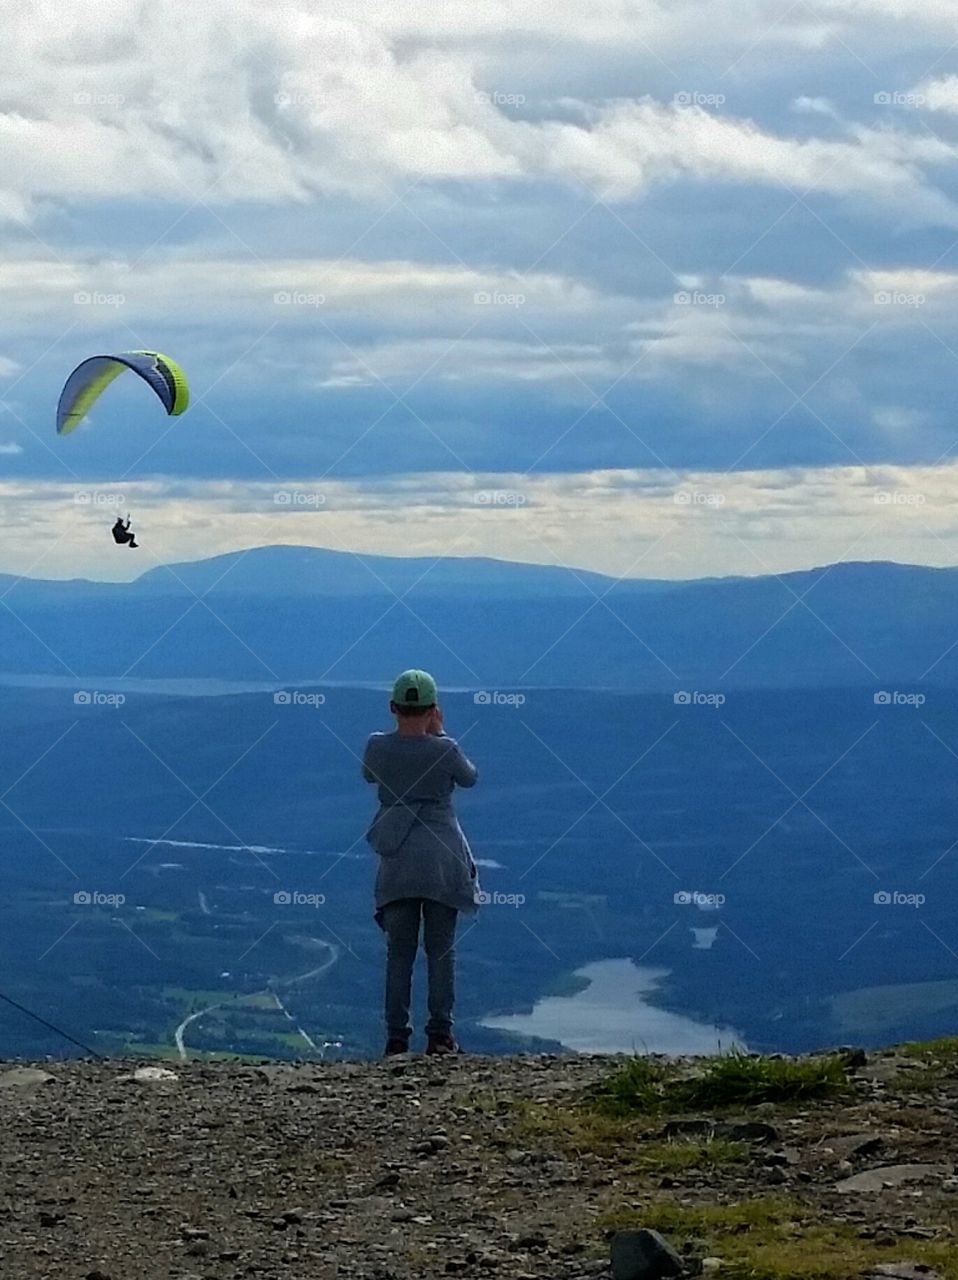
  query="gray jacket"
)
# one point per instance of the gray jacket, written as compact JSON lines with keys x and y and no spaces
{"x":423,"y":852}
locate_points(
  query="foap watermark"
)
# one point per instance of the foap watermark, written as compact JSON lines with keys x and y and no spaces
{"x":499,"y":98}
{"x":695,"y":98}
{"x":893,"y":898}
{"x":96,"y":698}
{"x":899,"y":98}
{"x":299,"y":98}
{"x":497,"y":899}
{"x":298,"y":298}
{"x":96,"y":98}
{"x":496,"y":698}
{"x":96,"y":298}
{"x":498,"y":298}
{"x":299,"y":498}
{"x":696,"y":298}
{"x":899,"y":498}
{"x":94,"y":898}
{"x":298,"y":698}
{"x":693,"y":898}
{"x":98,"y":498}
{"x":500,"y":498}
{"x":698,"y":498}
{"x":296,"y":898}
{"x":695,"y":698}
{"x":897,"y":698}
{"x":898,"y":298}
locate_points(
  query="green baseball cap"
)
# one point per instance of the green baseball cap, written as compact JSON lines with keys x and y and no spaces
{"x":415,"y":689}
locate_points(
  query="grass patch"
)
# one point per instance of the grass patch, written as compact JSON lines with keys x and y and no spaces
{"x":675,"y":1155}
{"x":625,"y":1139}
{"x":777,"y":1239}
{"x":944,"y":1049}
{"x":644,"y":1087}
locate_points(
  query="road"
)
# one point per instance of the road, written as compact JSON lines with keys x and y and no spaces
{"x":316,"y":972}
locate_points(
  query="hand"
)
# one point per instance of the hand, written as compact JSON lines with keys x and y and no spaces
{"x":435,"y":721}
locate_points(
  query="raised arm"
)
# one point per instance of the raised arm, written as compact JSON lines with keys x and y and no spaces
{"x":464,"y":772}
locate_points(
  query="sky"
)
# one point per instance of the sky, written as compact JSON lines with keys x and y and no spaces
{"x":664,"y":290}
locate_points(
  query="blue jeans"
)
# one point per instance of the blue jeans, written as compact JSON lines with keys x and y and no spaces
{"x":401,"y":920}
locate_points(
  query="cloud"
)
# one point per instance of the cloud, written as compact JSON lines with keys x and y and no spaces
{"x":102,"y":105}
{"x":634,"y":523}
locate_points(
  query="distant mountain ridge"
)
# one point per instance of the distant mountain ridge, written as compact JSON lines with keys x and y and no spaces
{"x":302,"y":613}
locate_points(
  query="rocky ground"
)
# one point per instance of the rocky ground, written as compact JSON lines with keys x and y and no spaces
{"x":481,"y":1167}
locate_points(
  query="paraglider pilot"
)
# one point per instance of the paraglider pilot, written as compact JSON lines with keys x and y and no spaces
{"x":121,"y":532}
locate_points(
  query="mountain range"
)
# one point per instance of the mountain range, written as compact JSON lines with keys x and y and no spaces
{"x":289,"y":613}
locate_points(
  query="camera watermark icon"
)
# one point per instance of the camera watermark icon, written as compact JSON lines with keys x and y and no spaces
{"x":295,"y":898}
{"x":89,"y":98}
{"x":94,"y":698}
{"x":98,"y":498}
{"x":94,"y":898}
{"x":898,"y":98}
{"x":695,"y":698}
{"x":94,"y":298}
{"x":895,"y":698}
{"x":496,"y":298}
{"x":499,"y":98}
{"x":298,"y":298}
{"x":495,"y":698}
{"x":298,"y":698}
{"x":298,"y":498}
{"x":698,"y":498}
{"x":692,"y":898}
{"x":892,"y":898}
{"x":898,"y":298}
{"x":497,"y":899}
{"x":696,"y":298}
{"x":693,"y":98}
{"x":899,"y":498}
{"x":500,"y":498}
{"x":298,"y":98}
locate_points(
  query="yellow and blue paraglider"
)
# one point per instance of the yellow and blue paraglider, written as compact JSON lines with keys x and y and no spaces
{"x":90,"y":379}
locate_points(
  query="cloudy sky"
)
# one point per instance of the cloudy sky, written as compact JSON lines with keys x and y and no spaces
{"x":655,"y":289}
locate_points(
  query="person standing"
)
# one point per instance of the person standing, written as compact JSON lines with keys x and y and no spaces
{"x":426,"y":874}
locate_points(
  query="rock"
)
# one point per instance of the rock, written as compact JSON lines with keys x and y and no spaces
{"x":97,"y":1274}
{"x":151,"y":1075}
{"x":749,"y":1131}
{"x":903,"y":1271}
{"x":855,"y":1144}
{"x":711,"y":1264}
{"x":24,"y":1078}
{"x":643,"y":1255}
{"x":776,"y":1176}
{"x":892,"y":1175}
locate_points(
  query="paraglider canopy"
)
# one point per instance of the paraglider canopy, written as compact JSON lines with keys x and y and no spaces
{"x":90,"y":379}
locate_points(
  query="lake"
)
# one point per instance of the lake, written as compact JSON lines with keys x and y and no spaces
{"x":613,"y":1015}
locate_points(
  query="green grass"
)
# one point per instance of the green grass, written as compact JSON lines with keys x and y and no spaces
{"x":945,"y":1048}
{"x":638,"y":1088}
{"x":776,"y":1239}
{"x":645,"y":1087}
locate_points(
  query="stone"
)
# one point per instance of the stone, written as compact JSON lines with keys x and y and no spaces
{"x":643,"y":1255}
{"x":24,"y":1078}
{"x":892,"y":1175}
{"x":903,"y":1271}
